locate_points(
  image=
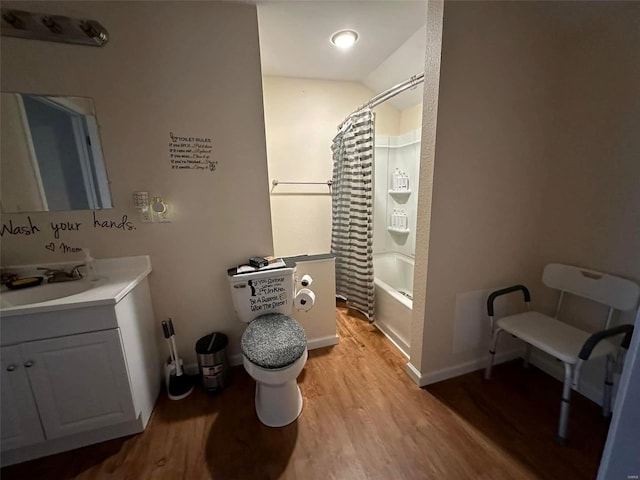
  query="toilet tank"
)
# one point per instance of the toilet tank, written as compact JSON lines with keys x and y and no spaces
{"x":256,"y":293}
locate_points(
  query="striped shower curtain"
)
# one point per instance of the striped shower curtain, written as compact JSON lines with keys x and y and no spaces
{"x":352,"y":212}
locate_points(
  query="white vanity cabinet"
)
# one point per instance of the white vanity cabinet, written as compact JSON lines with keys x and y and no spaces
{"x":20,"y":420}
{"x":76,"y":376}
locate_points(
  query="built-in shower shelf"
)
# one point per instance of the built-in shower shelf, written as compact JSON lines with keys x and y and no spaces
{"x":400,"y":193}
{"x":399,"y":230}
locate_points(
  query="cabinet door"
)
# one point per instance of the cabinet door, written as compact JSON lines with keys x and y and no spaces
{"x":20,"y":421}
{"x":80,"y":382}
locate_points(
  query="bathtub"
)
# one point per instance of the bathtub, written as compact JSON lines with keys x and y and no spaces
{"x":394,"y":290}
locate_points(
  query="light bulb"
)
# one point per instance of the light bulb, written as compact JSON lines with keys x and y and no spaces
{"x":344,"y":38}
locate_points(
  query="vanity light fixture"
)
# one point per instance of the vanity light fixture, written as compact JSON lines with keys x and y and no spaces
{"x":344,"y":38}
{"x":55,"y":28}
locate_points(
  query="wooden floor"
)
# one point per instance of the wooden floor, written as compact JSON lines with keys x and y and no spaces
{"x":363,"y":419}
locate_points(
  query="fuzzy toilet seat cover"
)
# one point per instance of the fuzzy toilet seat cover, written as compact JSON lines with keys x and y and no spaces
{"x":273,"y":340}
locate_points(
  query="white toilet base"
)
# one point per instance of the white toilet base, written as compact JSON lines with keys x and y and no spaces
{"x":278,"y":398}
{"x":278,"y":405}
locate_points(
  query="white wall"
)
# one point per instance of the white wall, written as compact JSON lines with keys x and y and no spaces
{"x":406,"y":61}
{"x":301,"y":120}
{"x":191,"y":68}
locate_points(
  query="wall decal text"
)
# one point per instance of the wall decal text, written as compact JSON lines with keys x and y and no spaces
{"x":191,"y":153}
{"x":22,"y":229}
{"x":267,"y":294}
{"x":27,"y":227}
{"x":64,"y":226}
{"x":123,"y":224}
{"x":62,"y":247}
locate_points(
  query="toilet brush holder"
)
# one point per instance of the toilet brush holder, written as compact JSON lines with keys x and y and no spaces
{"x":169,"y":369}
{"x":178,"y":384}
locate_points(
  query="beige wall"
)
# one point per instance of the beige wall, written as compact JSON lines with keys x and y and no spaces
{"x":301,"y":119}
{"x":188,"y":68}
{"x":411,"y":118}
{"x":487,"y":184}
{"x":592,"y":192}
{"x":536,"y":161}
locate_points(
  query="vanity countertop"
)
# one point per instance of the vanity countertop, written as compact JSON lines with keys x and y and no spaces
{"x":118,"y":276}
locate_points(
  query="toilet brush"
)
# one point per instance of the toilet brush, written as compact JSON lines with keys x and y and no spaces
{"x":179,"y":385}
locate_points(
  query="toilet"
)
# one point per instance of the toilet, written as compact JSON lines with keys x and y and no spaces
{"x":274,"y":345}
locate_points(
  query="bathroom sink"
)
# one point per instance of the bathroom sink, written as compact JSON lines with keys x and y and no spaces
{"x":42,"y":293}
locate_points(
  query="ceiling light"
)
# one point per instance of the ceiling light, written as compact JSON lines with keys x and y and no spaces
{"x":344,"y":38}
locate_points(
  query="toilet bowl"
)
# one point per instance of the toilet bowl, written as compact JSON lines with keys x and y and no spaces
{"x":278,"y":398}
{"x":274,"y":345}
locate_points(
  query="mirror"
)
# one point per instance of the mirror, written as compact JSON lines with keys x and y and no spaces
{"x":51,"y":155}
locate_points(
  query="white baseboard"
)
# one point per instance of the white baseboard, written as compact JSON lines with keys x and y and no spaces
{"x":548,"y":365}
{"x":323,"y":342}
{"x":393,"y":338}
{"x":424,"y":379}
{"x":414,"y":373}
{"x":193,"y":369}
{"x":236,"y":359}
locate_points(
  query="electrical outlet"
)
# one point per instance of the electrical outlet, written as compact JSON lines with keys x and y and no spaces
{"x":141,"y":199}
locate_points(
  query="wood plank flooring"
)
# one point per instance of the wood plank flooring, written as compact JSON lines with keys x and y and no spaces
{"x":363,"y":419}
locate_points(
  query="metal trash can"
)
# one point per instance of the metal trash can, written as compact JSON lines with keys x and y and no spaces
{"x":212,"y":360}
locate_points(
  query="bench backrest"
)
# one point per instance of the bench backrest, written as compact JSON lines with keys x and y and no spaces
{"x":616,"y":292}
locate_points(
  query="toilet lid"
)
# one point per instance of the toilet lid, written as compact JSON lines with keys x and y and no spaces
{"x":273,"y":340}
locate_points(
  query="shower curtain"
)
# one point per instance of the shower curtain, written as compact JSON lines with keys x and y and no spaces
{"x":352,"y":211}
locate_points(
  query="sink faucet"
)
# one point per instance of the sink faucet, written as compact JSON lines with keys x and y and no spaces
{"x":55,"y":275}
{"x":8,"y":277}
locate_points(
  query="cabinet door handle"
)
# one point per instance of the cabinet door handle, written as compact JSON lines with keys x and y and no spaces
{"x":11,"y":368}
{"x":28,"y":364}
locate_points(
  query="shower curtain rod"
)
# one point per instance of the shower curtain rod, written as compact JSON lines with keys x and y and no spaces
{"x":411,"y":82}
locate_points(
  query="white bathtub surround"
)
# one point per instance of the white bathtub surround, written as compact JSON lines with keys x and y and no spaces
{"x":394,"y":292}
{"x":394,"y":233}
{"x":396,"y":154}
{"x":79,"y":369}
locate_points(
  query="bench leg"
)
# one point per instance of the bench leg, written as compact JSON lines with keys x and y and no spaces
{"x":608,"y":387}
{"x":527,"y":355}
{"x":492,"y":353}
{"x":564,"y":406}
